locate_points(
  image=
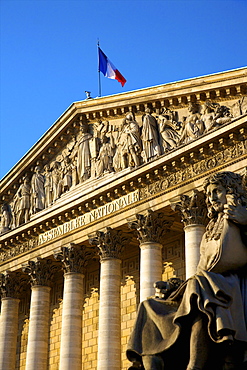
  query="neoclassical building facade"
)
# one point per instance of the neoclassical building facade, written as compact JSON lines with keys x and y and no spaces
{"x":107,"y":202}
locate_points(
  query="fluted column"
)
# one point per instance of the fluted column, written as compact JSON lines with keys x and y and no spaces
{"x":193,"y":211}
{"x":41,"y":274}
{"x":74,"y":259}
{"x":151,"y":228}
{"x":110,"y":244}
{"x":11,"y":284}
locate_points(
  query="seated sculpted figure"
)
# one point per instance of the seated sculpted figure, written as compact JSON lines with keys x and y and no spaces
{"x":202,"y":325}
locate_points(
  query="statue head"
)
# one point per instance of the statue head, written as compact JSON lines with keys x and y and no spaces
{"x":217,"y":188}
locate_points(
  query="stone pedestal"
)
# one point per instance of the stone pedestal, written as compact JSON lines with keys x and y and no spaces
{"x":38,"y":332}
{"x":8,"y":333}
{"x":71,"y":335}
{"x":150,"y":268}
{"x":193,"y":237}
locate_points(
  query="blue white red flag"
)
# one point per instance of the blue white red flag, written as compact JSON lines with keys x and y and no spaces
{"x":108,"y":69}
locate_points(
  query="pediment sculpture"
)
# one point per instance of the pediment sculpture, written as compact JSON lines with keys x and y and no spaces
{"x":101,"y":148}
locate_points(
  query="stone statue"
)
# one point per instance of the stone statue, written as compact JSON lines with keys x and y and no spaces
{"x":56,"y":176}
{"x":193,"y":125}
{"x":150,"y":139}
{"x":83,"y":154}
{"x":66,"y":175}
{"x":104,"y":159}
{"x":169,"y":134}
{"x":23,"y":202}
{"x":128,"y":145}
{"x":37,"y":191}
{"x":6,"y":218}
{"x":204,"y":320}
{"x":48,"y":185}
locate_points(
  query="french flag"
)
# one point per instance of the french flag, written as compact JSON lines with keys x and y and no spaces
{"x":108,"y":69}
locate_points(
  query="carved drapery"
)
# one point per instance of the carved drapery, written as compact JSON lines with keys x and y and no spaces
{"x":40,"y":271}
{"x":151,"y":226}
{"x":74,"y":257}
{"x":193,"y":209}
{"x":111,"y":148}
{"x":12,"y":284}
{"x":110,"y":242}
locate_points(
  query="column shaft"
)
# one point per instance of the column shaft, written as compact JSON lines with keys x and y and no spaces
{"x":150,"y":268}
{"x":109,"y":339}
{"x":8,"y":333}
{"x":71,"y":335}
{"x":193,"y":237}
{"x":37,"y":346}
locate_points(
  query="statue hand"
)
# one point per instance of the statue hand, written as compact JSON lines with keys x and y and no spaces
{"x":236,"y":213}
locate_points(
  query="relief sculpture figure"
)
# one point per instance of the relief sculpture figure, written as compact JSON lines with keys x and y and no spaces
{"x":48,"y":185}
{"x":193,"y":125}
{"x":83,"y":154}
{"x":23,"y":202}
{"x":150,"y":139}
{"x":37,"y":191}
{"x":204,"y":320}
{"x":104,"y":159}
{"x":128,"y":145}
{"x":169,"y":134}
{"x":6,"y":218}
{"x":66,"y":174}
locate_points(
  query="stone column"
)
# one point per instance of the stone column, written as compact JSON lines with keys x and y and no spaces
{"x":110,"y":244}
{"x":41,"y":274}
{"x":74,"y":259}
{"x":193,"y":211}
{"x":11,"y":285}
{"x":151,"y":228}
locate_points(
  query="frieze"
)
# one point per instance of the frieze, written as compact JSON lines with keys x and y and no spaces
{"x":186,"y":174}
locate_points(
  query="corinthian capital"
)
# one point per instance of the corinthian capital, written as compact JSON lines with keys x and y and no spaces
{"x":12,"y":284}
{"x":74,"y":257}
{"x":193,"y":209}
{"x":110,"y":242}
{"x":151,"y":226}
{"x":40,"y":271}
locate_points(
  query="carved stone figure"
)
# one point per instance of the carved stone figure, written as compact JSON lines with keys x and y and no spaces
{"x":169,"y":134}
{"x":37,"y":191}
{"x":128,"y":145}
{"x":6,"y":218}
{"x":193,"y":125}
{"x":104,"y":160}
{"x":204,"y":320}
{"x":83,"y":154}
{"x":150,"y":139}
{"x":23,"y":202}
{"x":66,"y":175}
{"x":56,"y":176}
{"x":48,"y":186}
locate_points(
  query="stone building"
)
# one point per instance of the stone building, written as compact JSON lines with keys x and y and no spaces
{"x":107,"y":202}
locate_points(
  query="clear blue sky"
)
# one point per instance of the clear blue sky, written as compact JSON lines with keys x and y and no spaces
{"x":49,"y":54}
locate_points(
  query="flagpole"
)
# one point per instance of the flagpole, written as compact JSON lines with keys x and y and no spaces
{"x":99,"y":72}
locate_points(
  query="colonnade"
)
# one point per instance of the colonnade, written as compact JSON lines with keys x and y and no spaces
{"x":151,"y":228}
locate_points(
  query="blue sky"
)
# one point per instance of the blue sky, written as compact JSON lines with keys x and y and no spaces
{"x":49,"y":54}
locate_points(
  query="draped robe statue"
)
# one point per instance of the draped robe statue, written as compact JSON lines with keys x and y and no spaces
{"x":202,"y":325}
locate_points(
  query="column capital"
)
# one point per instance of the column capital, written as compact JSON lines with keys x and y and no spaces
{"x":12,"y":284}
{"x":193,"y":209}
{"x":110,"y":242}
{"x":40,"y":271}
{"x":151,"y":226}
{"x":74,"y":257}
